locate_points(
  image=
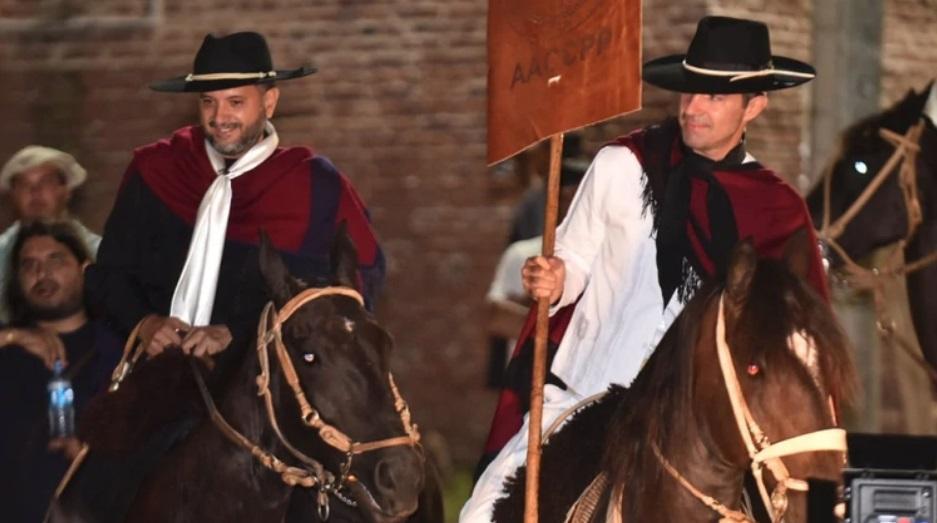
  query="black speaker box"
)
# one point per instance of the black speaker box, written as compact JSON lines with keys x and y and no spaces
{"x":891,"y":479}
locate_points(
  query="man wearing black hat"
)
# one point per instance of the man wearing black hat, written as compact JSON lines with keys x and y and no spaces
{"x":179,"y":255}
{"x":656,"y":215}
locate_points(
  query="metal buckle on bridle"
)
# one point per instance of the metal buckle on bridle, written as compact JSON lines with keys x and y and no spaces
{"x":311,"y":418}
{"x":322,"y":502}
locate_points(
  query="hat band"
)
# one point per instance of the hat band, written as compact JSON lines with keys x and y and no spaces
{"x":735,"y":76}
{"x":229,"y":76}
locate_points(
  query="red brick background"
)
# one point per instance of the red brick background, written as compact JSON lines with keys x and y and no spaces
{"x":399,"y":106}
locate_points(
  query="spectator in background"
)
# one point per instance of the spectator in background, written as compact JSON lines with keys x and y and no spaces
{"x":38,"y":181}
{"x":45,"y":294}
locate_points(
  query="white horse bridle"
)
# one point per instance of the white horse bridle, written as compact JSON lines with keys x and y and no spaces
{"x":760,"y":450}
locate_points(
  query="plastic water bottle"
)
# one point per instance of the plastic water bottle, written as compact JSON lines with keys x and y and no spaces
{"x":61,"y":404}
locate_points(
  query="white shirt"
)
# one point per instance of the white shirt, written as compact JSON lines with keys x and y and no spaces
{"x":610,"y":255}
{"x":608,"y":246}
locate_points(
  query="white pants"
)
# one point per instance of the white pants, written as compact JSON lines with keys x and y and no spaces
{"x":490,"y":486}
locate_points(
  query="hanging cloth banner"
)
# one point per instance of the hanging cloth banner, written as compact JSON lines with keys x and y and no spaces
{"x":558,"y":65}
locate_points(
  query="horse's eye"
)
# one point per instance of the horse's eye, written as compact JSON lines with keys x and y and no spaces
{"x":753,"y":369}
{"x":309,"y":357}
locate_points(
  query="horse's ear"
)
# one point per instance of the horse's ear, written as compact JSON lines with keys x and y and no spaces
{"x":344,"y":259}
{"x":797,"y":250}
{"x":741,"y":269}
{"x":280,"y":284}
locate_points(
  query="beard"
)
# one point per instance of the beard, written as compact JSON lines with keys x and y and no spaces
{"x":70,"y":304}
{"x":249,"y":138}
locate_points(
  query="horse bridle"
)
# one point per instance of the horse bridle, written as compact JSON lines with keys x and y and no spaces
{"x":906,"y":147}
{"x":761,"y":451}
{"x":313,"y":474}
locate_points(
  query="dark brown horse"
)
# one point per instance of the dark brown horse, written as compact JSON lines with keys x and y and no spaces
{"x":884,"y":218}
{"x":678,"y":410}
{"x":339,"y":358}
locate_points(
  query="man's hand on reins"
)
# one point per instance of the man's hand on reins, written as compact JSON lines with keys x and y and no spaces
{"x":205,"y":341}
{"x":157,"y":333}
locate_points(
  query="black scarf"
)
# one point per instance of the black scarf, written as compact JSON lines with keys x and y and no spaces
{"x":674,"y":250}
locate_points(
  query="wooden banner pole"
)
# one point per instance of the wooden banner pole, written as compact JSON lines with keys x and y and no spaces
{"x":531,"y":503}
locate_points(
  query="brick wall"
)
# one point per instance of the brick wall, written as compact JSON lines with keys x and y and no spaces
{"x":399,"y":105}
{"x":909,"y":47}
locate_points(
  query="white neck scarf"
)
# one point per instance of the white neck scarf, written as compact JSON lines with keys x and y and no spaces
{"x":194,"y":296}
{"x":930,"y":108}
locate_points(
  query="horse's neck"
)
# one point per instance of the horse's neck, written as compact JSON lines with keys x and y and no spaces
{"x":697,"y":459}
{"x":921,"y":299}
{"x":244,"y":409}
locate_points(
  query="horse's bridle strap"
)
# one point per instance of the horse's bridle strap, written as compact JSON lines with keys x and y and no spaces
{"x":308,"y":295}
{"x":822,"y":440}
{"x":330,"y":434}
{"x":711,"y":502}
{"x":905,"y":146}
{"x":761,"y":451}
{"x":291,"y":476}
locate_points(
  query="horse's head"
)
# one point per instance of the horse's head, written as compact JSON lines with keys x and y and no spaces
{"x":341,"y":361}
{"x":862,"y":153}
{"x":783,"y":347}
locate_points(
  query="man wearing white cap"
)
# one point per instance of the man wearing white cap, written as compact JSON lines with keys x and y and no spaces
{"x":38,"y":181}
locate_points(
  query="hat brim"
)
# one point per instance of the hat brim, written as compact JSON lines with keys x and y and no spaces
{"x":668,"y":73}
{"x":180,"y":85}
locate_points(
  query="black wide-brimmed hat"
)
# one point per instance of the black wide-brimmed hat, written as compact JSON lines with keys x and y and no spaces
{"x":727,"y":55}
{"x":230,"y":61}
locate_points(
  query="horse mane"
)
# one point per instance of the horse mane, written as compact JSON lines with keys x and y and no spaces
{"x":161,"y":391}
{"x":658,"y":405}
{"x":798,"y":306}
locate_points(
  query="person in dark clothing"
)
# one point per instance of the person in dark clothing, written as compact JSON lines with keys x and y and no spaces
{"x":179,"y":258}
{"x":179,"y":255}
{"x":45,"y":293}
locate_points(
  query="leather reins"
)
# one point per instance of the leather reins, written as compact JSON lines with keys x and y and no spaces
{"x":313,"y":474}
{"x":761,"y":451}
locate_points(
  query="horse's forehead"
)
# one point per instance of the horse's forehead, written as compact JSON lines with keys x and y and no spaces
{"x":326,"y":315}
{"x":804,"y":347}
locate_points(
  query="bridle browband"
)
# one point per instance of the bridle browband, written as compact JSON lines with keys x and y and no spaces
{"x":312,"y":474}
{"x":906,"y":148}
{"x":761,"y":451}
